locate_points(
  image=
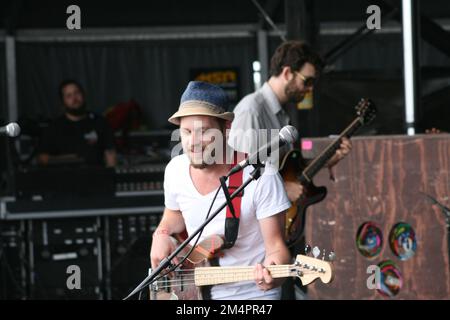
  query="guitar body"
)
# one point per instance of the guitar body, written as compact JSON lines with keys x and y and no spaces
{"x":179,"y":284}
{"x":292,"y":166}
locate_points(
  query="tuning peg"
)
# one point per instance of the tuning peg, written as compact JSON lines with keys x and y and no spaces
{"x":331,"y":256}
{"x":316,"y":252}
{"x":307,"y":249}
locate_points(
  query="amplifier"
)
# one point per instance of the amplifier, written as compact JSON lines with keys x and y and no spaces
{"x":140,"y":178}
{"x":57,"y":247}
{"x":13,"y":260}
{"x":130,"y":239}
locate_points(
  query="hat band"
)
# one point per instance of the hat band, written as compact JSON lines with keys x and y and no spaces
{"x":195,"y":103}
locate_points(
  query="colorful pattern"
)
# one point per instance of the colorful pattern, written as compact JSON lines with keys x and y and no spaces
{"x":391,"y":280}
{"x":402,"y":241}
{"x":369,"y":239}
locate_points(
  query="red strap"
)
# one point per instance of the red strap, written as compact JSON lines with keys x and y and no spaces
{"x":235,"y":181}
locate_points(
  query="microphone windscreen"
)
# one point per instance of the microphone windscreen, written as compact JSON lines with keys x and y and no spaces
{"x":12,"y":129}
{"x":289,"y":134}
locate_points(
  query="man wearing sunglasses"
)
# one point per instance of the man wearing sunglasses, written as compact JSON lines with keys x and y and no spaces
{"x":293,"y":71}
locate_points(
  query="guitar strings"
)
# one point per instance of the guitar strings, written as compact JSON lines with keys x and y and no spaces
{"x":222,"y":276}
{"x":246,"y":269}
{"x":185,"y":282}
{"x":220,"y":272}
{"x":277,"y":273}
{"x":175,"y":286}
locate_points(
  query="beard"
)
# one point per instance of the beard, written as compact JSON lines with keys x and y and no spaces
{"x":198,"y":163}
{"x":80,"y":111}
{"x":201,"y":160}
{"x":199,"y":166}
{"x":293,"y":94}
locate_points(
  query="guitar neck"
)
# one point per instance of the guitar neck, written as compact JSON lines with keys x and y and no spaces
{"x":320,"y":161}
{"x":217,"y":275}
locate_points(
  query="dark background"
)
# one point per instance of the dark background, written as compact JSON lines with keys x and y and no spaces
{"x":154,"y":71}
{"x":146,"y":51}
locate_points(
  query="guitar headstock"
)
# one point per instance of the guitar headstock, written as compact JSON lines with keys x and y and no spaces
{"x":366,"y":110}
{"x":309,"y":269}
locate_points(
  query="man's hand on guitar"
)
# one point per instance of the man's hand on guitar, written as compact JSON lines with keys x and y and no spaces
{"x":162,"y":246}
{"x":340,"y":154}
{"x":294,"y":190}
{"x":263,"y":279}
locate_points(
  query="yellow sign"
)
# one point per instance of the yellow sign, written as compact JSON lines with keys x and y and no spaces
{"x":217,"y":77}
{"x":307,"y":102}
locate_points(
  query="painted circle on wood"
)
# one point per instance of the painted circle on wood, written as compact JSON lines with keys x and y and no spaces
{"x":369,"y":239}
{"x":391,"y":280}
{"x":402,"y":240}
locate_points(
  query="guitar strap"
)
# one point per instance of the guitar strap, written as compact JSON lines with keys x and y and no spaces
{"x":234,"y":206}
{"x":232,"y":216}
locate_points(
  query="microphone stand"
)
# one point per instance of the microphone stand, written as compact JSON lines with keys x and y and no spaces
{"x":446,"y":212}
{"x":166,"y":262}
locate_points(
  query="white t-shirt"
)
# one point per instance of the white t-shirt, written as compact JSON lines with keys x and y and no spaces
{"x":262,"y":198}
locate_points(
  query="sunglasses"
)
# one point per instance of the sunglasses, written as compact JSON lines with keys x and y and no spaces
{"x":308,"y":81}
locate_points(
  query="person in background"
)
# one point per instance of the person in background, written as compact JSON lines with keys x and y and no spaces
{"x":294,"y":69}
{"x":78,"y":135}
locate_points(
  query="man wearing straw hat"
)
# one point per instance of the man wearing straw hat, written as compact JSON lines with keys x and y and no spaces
{"x":192,"y":179}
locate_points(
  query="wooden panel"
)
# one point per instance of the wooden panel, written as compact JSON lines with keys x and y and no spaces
{"x":381,"y":181}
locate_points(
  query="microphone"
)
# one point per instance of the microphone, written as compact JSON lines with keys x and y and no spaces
{"x":287,"y":134}
{"x":11,"y":130}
